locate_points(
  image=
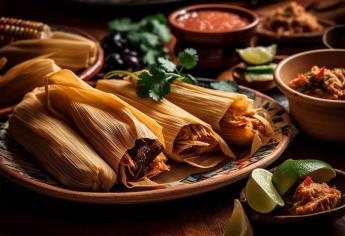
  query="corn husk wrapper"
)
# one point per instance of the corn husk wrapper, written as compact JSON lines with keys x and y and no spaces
{"x":23,"y":78}
{"x":69,"y":51}
{"x":105,"y":121}
{"x":232,"y":115}
{"x":177,"y":124}
{"x":57,"y":147}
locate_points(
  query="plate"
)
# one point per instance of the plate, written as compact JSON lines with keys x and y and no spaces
{"x":22,"y":171}
{"x":272,"y":218}
{"x":314,"y":37}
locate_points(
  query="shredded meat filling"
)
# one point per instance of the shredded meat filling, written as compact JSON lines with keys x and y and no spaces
{"x":195,"y":140}
{"x":139,"y":159}
{"x":314,"y":197}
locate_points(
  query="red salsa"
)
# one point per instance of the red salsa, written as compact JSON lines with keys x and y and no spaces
{"x":211,"y":21}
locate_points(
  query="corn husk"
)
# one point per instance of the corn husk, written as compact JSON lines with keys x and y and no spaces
{"x":187,"y":138}
{"x":69,"y":51}
{"x":57,"y":147}
{"x":110,"y":125}
{"x":23,"y":78}
{"x":232,"y":115}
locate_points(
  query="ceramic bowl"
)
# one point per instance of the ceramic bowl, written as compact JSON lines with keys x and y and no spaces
{"x":215,"y":49}
{"x":334,"y":37}
{"x":317,"y":117}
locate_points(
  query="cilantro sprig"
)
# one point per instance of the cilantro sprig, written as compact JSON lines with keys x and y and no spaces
{"x":155,"y":81}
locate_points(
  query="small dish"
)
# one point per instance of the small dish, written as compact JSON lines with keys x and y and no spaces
{"x":317,"y":117}
{"x":314,"y":37}
{"x":334,"y":37}
{"x":215,"y":49}
{"x":276,"y":218}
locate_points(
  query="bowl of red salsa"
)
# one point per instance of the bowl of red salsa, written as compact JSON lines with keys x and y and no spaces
{"x":214,"y":30}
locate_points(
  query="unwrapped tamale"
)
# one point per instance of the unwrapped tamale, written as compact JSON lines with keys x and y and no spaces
{"x":57,"y":147}
{"x":128,"y":140}
{"x":23,"y":78}
{"x":187,"y":138}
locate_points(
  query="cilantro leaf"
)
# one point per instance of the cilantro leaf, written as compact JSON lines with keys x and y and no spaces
{"x":188,"y":78}
{"x":161,"y":30}
{"x":122,"y":25}
{"x":153,"y":84}
{"x":225,"y":85}
{"x":188,"y":58}
{"x":166,"y":64}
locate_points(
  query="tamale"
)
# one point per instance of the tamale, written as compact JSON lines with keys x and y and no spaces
{"x":232,"y":115}
{"x":187,"y":138}
{"x":68,"y":50}
{"x":57,"y":147}
{"x":23,"y":78}
{"x":128,"y":140}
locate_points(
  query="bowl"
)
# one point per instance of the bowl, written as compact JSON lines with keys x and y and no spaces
{"x":320,"y":118}
{"x":215,"y":48}
{"x":334,"y":37}
{"x":277,"y":217}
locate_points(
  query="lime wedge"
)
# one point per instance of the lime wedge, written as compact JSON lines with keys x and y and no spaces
{"x":290,"y":172}
{"x":239,"y":224}
{"x":258,"y":55}
{"x":261,"y":194}
{"x":252,"y":77}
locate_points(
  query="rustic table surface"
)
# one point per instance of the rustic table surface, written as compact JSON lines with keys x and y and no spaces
{"x":26,"y":213}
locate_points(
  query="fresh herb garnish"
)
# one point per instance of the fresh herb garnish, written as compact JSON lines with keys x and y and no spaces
{"x":155,"y":81}
{"x":225,"y":85}
{"x":150,"y":35}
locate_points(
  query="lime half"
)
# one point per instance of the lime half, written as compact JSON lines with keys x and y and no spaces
{"x":261,"y":194}
{"x":290,"y":172}
{"x":258,"y":55}
{"x":239,"y":224}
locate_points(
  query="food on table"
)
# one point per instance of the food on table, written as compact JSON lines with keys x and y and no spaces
{"x":303,"y":184}
{"x":211,"y":21}
{"x":187,"y":138}
{"x":259,"y":73}
{"x":258,"y":55}
{"x":132,"y":45}
{"x":291,"y":19}
{"x":261,"y":194}
{"x":12,"y":29}
{"x":127,"y":140}
{"x":24,"y":77}
{"x":239,"y":224}
{"x":311,"y":197}
{"x":321,"y":82}
{"x":69,"y":51}
{"x":290,"y":172}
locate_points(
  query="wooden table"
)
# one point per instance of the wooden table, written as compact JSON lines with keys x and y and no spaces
{"x":26,"y":213}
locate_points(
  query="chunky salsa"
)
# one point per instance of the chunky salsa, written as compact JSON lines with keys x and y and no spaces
{"x":211,"y":21}
{"x":321,"y":82}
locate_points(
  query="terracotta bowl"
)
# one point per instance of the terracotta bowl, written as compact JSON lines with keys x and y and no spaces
{"x":215,"y":49}
{"x":334,"y":37}
{"x":317,"y":117}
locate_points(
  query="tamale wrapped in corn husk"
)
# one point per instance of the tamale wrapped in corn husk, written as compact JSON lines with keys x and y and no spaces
{"x":128,"y":140}
{"x":57,"y":147}
{"x":187,"y":138}
{"x":68,"y":50}
{"x":23,"y":78}
{"x":232,"y":115}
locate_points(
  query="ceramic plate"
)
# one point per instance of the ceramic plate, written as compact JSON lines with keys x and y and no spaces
{"x":22,"y":171}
